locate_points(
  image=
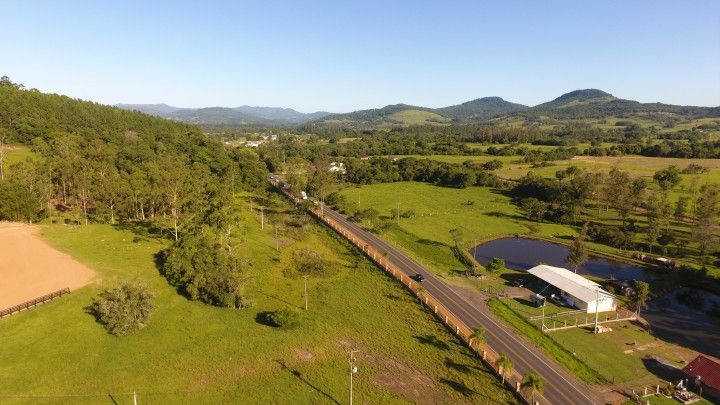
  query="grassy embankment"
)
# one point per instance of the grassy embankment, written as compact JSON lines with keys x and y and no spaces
{"x":192,"y":352}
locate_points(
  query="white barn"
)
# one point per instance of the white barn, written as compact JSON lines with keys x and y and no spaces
{"x":576,"y":289}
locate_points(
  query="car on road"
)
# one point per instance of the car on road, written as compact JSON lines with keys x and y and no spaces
{"x":418,"y":277}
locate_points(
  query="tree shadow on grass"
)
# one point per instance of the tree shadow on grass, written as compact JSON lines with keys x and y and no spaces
{"x":498,"y":214}
{"x":430,"y":242}
{"x":463,"y":368}
{"x":458,"y":386}
{"x":432,"y":340}
{"x":300,"y":377}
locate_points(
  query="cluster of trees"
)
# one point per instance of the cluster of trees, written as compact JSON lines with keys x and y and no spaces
{"x":204,"y":269}
{"x":385,"y":170}
{"x":693,"y":148}
{"x":561,"y":199}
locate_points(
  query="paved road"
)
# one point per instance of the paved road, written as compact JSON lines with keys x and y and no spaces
{"x":560,"y":386}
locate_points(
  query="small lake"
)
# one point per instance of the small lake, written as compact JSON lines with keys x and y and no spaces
{"x":523,"y":253}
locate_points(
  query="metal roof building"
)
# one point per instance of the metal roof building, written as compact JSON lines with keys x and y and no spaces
{"x":576,"y":289}
{"x":706,"y":372}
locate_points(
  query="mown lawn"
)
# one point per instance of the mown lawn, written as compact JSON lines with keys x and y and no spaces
{"x":192,"y":352}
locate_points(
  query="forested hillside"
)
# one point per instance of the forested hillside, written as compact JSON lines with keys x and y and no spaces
{"x":99,"y":163}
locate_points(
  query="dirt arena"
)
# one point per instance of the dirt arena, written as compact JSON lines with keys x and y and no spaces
{"x":30,"y":268}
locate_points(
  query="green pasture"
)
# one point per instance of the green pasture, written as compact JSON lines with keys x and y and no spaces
{"x":192,"y":352}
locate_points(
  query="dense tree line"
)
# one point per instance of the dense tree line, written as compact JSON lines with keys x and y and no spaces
{"x":385,"y":170}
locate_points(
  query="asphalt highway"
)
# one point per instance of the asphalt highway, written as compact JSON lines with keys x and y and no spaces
{"x":560,"y":386}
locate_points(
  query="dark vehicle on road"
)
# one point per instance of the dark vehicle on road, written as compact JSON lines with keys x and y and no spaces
{"x":418,"y":277}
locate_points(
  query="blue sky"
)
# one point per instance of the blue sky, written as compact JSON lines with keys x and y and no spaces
{"x":342,"y":56}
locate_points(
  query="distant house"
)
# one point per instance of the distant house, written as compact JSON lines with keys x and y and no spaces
{"x":337,"y":167}
{"x":364,"y":157}
{"x":575,"y":289}
{"x":704,"y":373}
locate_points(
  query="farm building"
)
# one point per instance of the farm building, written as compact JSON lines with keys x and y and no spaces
{"x":575,"y":289}
{"x":705,"y":373}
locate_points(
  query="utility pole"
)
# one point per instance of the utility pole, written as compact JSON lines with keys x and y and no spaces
{"x":277,"y":241}
{"x":597,"y":307}
{"x":306,"y":297}
{"x":398,"y":213}
{"x":262,"y":217}
{"x":134,"y":398}
{"x":543,"y":316}
{"x":475,"y":255}
{"x":353,"y":370}
{"x":358,"y":199}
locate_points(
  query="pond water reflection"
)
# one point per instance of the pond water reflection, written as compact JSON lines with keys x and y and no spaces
{"x":522,"y":254}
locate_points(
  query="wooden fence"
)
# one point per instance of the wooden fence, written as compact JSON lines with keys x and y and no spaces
{"x":512,"y":379}
{"x":33,"y":302}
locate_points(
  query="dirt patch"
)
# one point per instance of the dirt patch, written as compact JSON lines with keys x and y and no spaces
{"x":30,"y":268}
{"x":304,"y":355}
{"x":403,"y":380}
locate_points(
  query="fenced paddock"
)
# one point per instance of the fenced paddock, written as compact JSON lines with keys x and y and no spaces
{"x":31,"y":268}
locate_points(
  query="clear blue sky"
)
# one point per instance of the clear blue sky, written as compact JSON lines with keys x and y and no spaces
{"x":341,"y":56}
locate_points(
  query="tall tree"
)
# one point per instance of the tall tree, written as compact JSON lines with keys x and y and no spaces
{"x":642,"y":294}
{"x":504,"y":366}
{"x":533,"y":383}
{"x":578,"y":252}
{"x":707,"y":208}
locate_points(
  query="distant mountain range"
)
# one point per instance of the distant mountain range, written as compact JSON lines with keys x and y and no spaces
{"x":575,"y":105}
{"x":228,"y":116}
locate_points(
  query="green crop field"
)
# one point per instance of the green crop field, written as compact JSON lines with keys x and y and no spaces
{"x":192,"y":352}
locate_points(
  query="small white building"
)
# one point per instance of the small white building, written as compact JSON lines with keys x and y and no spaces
{"x":575,"y":289}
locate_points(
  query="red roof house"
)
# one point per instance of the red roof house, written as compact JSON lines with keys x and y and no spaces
{"x":708,"y":373}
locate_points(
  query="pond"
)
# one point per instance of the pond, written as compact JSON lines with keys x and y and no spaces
{"x":523,"y":253}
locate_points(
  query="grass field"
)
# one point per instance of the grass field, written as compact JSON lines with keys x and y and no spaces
{"x":480,"y":212}
{"x":192,"y":352}
{"x":637,"y":166}
{"x":418,"y":117}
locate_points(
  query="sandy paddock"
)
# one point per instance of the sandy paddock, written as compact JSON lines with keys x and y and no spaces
{"x":30,"y":268}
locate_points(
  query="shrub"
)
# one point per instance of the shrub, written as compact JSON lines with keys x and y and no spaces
{"x":309,"y":262}
{"x":496,"y":265}
{"x":611,"y":236}
{"x":124,"y":309}
{"x":285,"y":317}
